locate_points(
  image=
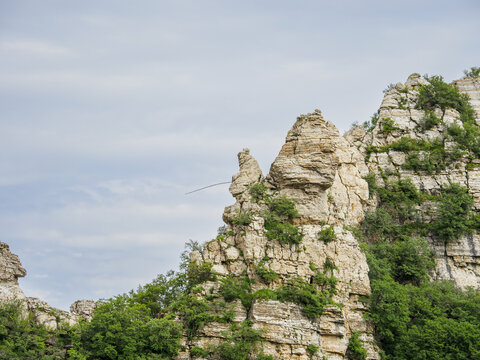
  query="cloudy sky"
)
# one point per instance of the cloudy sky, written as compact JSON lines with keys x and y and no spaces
{"x":111,"y":110}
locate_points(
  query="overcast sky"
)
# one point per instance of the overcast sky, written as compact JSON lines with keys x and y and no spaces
{"x":111,"y":110}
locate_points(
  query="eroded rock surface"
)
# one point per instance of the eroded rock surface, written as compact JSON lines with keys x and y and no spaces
{"x":323,"y":173}
{"x":459,"y":260}
{"x":10,"y":270}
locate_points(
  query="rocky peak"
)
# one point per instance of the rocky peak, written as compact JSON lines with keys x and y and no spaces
{"x":321,"y":173}
{"x":249,"y":174}
{"x":10,"y":270}
{"x":320,"y":169}
{"x":408,"y":142}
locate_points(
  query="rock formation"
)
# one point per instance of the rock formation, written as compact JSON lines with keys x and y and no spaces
{"x":290,"y":231}
{"x":10,"y":270}
{"x":457,"y":260}
{"x":323,"y":173}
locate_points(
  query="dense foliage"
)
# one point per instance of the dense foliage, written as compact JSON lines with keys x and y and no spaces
{"x":415,"y":318}
{"x":22,"y":338}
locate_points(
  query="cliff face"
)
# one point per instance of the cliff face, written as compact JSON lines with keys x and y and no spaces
{"x":459,"y":259}
{"x":287,"y":263}
{"x":323,"y":172}
{"x":320,"y":170}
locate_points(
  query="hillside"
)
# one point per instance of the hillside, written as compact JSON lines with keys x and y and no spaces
{"x":362,"y":246}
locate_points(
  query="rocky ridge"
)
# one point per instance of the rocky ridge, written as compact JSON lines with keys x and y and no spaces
{"x":457,"y":260}
{"x":313,"y":249}
{"x":11,"y":270}
{"x":323,"y":173}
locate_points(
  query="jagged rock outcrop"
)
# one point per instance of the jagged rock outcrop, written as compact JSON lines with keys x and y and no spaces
{"x":10,"y":270}
{"x":457,"y":260}
{"x":323,"y":173}
{"x":291,"y":230}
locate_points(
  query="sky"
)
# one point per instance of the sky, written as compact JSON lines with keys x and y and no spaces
{"x":110,"y":111}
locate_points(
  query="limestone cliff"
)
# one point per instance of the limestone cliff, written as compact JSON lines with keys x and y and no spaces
{"x":457,"y":260}
{"x":323,"y":173}
{"x":287,"y":263}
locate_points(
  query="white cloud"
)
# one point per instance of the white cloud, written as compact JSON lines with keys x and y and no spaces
{"x":36,"y":48}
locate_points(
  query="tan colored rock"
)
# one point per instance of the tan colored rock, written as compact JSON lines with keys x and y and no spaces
{"x":249,"y":173}
{"x":83,"y":309}
{"x":10,"y":270}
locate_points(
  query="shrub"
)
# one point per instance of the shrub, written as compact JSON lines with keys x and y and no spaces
{"x":283,"y":232}
{"x":355,"y":349}
{"x":370,"y":125}
{"x":119,"y":330}
{"x":258,"y":192}
{"x":453,"y":213}
{"x":281,"y":210}
{"x":388,"y":125}
{"x":282,"y":207}
{"x":439,"y":93}
{"x":22,"y":338}
{"x":242,"y":343}
{"x":200,"y":273}
{"x":237,"y":288}
{"x":473,"y":73}
{"x":326,"y":235}
{"x":429,"y":121}
{"x":312,"y":349}
{"x":242,"y":218}
{"x":306,"y":295}
{"x":265,"y":274}
{"x":265,"y":294}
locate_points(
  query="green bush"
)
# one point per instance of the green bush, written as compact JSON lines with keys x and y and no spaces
{"x":197,"y":351}
{"x":439,"y":93}
{"x":326,"y":235}
{"x":242,"y":218}
{"x":283,"y":232}
{"x":276,"y":221}
{"x":258,"y":192}
{"x":237,"y":288}
{"x":453,"y":213}
{"x":388,"y":125}
{"x":407,"y":261}
{"x":312,"y":349}
{"x":22,"y":338}
{"x":370,"y":125}
{"x":265,"y":294}
{"x":355,"y":349}
{"x":282,"y":207}
{"x":473,"y":73}
{"x":242,"y":343}
{"x":119,"y":330}
{"x":160,"y":293}
{"x":200,"y":273}
{"x":429,"y":121}
{"x":266,"y":275}
{"x":306,"y":295}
